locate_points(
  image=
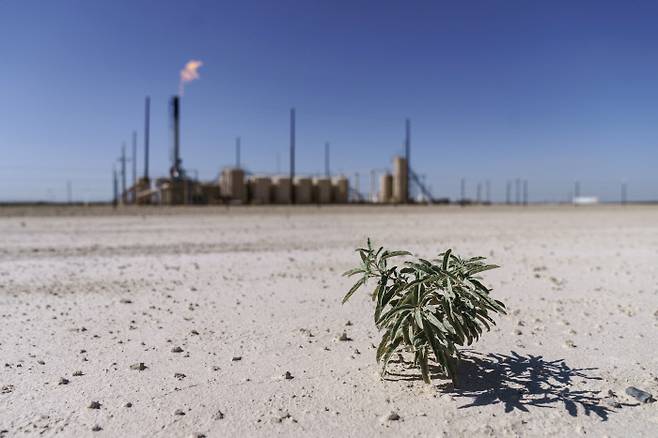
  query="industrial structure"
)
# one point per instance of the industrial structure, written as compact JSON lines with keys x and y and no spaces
{"x":234,"y":186}
{"x":237,"y":186}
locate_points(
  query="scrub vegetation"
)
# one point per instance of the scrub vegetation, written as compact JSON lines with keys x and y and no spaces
{"x":426,"y":307}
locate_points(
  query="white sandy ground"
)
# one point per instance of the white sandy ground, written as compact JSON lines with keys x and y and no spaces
{"x":581,"y":285}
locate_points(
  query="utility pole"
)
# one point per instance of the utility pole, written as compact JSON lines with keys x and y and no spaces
{"x":237,"y":152}
{"x":147,"y":128}
{"x":518,"y":191}
{"x":478,"y":193}
{"x":115,"y":187}
{"x":407,"y":154}
{"x":69,"y":192}
{"x":525,"y":192}
{"x":123,"y":160}
{"x":327,"y":172}
{"x":134,"y":162}
{"x":357,"y":186}
{"x":292,"y":155}
{"x":488,"y":191}
{"x":508,"y":193}
{"x":372,"y":186}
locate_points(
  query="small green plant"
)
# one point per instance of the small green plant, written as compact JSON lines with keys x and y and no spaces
{"x":426,"y":307}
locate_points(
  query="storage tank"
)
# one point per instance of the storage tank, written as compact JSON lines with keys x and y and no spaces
{"x":232,"y":184}
{"x":211,"y":193}
{"x":261,"y":190}
{"x":303,"y":191}
{"x":400,"y":180}
{"x":386,"y":188}
{"x":341,"y":187}
{"x":281,"y":190}
{"x":174,"y":192}
{"x":323,"y":191}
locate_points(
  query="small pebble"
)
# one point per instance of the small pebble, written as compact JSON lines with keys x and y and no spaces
{"x":96,"y":428}
{"x":638,"y":394}
{"x":138,"y":366}
{"x":177,"y":349}
{"x":63,"y":381}
{"x":219,"y":415}
{"x":94,"y":405}
{"x":393,"y":416}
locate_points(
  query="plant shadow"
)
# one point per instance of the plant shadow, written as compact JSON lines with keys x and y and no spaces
{"x":519,"y":382}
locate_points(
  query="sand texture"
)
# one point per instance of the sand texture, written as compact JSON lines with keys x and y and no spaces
{"x":236,"y":317}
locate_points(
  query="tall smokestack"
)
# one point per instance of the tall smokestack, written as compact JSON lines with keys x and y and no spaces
{"x":407,"y":153}
{"x":327,"y":173}
{"x":147,"y":127}
{"x":176,"y":170}
{"x":115,"y":187}
{"x":292,"y":155}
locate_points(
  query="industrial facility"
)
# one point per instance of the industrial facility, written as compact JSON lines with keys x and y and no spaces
{"x":236,"y":186}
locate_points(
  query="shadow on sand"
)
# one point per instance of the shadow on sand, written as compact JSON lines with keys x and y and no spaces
{"x":518,"y":382}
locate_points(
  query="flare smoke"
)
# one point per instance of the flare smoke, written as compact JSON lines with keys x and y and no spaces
{"x":188,"y":74}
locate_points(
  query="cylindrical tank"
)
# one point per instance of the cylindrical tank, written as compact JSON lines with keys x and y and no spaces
{"x":261,"y":190}
{"x":281,"y":190}
{"x":341,"y":188}
{"x":233,"y":185}
{"x":386,"y":188}
{"x":303,"y":190}
{"x":400,"y":180}
{"x":211,"y":193}
{"x":323,"y":191}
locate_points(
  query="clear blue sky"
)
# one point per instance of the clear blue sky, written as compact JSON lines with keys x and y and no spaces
{"x":549,"y":91}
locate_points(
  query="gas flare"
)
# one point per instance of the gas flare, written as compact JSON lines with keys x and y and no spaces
{"x":188,"y":74}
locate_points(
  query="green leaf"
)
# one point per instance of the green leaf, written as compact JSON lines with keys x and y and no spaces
{"x":424,"y":369}
{"x":446,"y":258}
{"x":388,"y":255}
{"x":357,"y":285}
{"x":353,"y":272}
{"x":382,"y":346}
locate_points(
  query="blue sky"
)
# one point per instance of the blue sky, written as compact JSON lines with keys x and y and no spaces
{"x":547,"y":91}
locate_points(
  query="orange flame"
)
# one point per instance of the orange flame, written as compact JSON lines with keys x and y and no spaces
{"x":188,"y":74}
